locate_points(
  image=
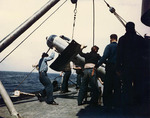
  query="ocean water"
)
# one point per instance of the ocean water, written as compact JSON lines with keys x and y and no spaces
{"x":27,"y":82}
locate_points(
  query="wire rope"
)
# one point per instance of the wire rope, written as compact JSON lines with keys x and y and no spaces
{"x":112,"y":10}
{"x":74,"y":21}
{"x":25,"y":78}
{"x":32,"y":32}
{"x":29,"y":74}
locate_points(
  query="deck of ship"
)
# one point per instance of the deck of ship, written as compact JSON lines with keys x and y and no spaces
{"x":67,"y":108}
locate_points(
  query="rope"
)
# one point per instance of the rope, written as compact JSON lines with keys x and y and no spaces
{"x":112,"y":10}
{"x":14,"y":30}
{"x":74,"y":21}
{"x":32,"y":32}
{"x":118,"y":17}
{"x":19,"y":26}
{"x":28,"y":74}
{"x":25,"y":78}
{"x":93,"y":22}
{"x":123,"y":22}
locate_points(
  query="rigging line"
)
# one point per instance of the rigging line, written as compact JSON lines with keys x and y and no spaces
{"x":11,"y":33}
{"x":121,"y":18}
{"x":112,"y":10}
{"x":29,"y":74}
{"x":93,"y":22}
{"x":33,"y":31}
{"x":74,"y":21}
{"x":48,"y":50}
{"x":117,"y":16}
{"x":25,"y":78}
{"x":123,"y":21}
{"x":18,"y":27}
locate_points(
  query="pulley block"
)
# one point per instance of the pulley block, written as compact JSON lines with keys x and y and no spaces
{"x":74,"y":1}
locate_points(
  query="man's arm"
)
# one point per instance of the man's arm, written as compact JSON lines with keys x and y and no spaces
{"x":104,"y":57}
{"x":51,"y":56}
{"x":81,"y":53}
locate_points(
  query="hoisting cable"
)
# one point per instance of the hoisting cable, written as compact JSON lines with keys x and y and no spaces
{"x":93,"y":22}
{"x":29,"y":74}
{"x":11,"y":33}
{"x":33,"y":32}
{"x":112,"y":10}
{"x":74,"y":21}
{"x":25,"y":78}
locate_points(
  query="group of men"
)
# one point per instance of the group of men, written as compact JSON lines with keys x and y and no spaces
{"x":123,"y":83}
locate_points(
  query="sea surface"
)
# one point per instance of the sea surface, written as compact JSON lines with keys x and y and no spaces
{"x":26,"y":81}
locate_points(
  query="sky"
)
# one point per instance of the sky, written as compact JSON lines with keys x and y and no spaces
{"x":13,"y":13}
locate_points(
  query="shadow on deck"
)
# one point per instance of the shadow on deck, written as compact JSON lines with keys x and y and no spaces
{"x":18,"y":100}
{"x":102,"y":112}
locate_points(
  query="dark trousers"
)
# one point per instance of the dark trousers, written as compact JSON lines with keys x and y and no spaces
{"x":133,"y":88}
{"x":112,"y":87}
{"x":65,"y":81}
{"x":88,"y":79}
{"x":48,"y":88}
{"x":79,"y":79}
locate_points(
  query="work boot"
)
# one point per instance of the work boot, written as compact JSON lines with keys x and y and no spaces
{"x":39,"y":96}
{"x":52,"y":103}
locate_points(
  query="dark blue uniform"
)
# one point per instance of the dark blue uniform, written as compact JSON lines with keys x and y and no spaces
{"x":112,"y":88}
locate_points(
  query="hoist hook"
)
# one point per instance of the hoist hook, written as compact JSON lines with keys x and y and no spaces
{"x":74,"y":21}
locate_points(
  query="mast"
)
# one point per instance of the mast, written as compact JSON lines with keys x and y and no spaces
{"x":29,"y":22}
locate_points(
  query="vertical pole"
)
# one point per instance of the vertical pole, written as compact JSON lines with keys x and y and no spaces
{"x":93,"y":22}
{"x":8,"y":101}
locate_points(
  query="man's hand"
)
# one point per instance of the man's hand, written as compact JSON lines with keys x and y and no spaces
{"x":83,"y":46}
{"x":36,"y":66}
{"x":54,"y":48}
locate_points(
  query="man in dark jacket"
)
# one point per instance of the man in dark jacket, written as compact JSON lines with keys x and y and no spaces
{"x":112,"y":88}
{"x":130,"y":65}
{"x":88,"y":78}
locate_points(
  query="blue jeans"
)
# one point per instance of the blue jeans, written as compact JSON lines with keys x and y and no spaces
{"x":48,"y":90}
{"x":88,"y":79}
